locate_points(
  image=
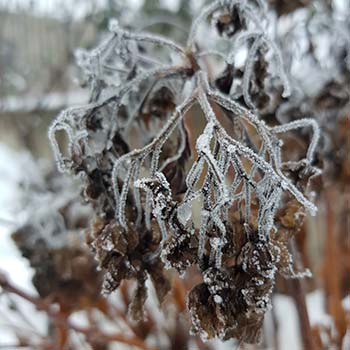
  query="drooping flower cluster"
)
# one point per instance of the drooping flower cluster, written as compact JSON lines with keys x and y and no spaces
{"x":164,"y":199}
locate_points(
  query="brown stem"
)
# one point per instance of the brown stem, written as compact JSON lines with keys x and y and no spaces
{"x":297,"y":291}
{"x":333,"y":268}
{"x":275,"y":329}
{"x":62,"y":322}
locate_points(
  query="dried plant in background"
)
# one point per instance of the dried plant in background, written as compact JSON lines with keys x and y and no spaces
{"x":325,"y":97}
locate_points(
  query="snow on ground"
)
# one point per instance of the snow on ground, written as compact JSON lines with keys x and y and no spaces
{"x":11,"y":262}
{"x":287,"y":317}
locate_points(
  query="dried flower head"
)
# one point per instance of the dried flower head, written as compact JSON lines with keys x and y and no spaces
{"x":160,"y":202}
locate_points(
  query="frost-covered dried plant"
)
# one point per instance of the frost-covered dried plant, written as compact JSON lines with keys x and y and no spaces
{"x":49,"y":237}
{"x":65,"y":275}
{"x":325,"y":95}
{"x":324,"y":57}
{"x":163,"y":199}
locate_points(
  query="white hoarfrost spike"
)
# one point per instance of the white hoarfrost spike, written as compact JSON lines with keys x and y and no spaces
{"x":123,"y":196}
{"x":248,"y":70}
{"x":194,"y":173}
{"x":136,"y":192}
{"x":202,"y":233}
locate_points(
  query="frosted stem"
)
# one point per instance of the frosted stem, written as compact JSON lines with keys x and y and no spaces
{"x":302,"y":123}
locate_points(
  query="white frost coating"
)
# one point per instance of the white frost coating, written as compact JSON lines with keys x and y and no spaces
{"x":108,"y":245}
{"x":248,"y":70}
{"x":200,"y":18}
{"x":260,"y":162}
{"x":203,"y":141}
{"x":259,"y":39}
{"x":202,"y":233}
{"x":113,"y":25}
{"x":123,"y":197}
{"x":184,"y":212}
{"x":180,"y":150}
{"x":298,"y":124}
{"x":218,"y":299}
{"x":137,"y":157}
{"x":216,"y":244}
{"x":136,"y":193}
{"x":194,"y":173}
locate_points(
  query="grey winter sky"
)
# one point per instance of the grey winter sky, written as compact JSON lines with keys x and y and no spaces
{"x":77,"y":8}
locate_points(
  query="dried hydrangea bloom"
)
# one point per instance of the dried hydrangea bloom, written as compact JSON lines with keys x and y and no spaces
{"x":163,"y":199}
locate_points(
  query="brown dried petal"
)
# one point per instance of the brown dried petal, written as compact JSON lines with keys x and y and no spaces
{"x":161,"y":102}
{"x":224,"y":81}
{"x":202,"y":311}
{"x":118,"y":269}
{"x":160,"y":281}
{"x":180,"y":251}
{"x":283,"y":7}
{"x":136,"y":308}
{"x":229,"y":23}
